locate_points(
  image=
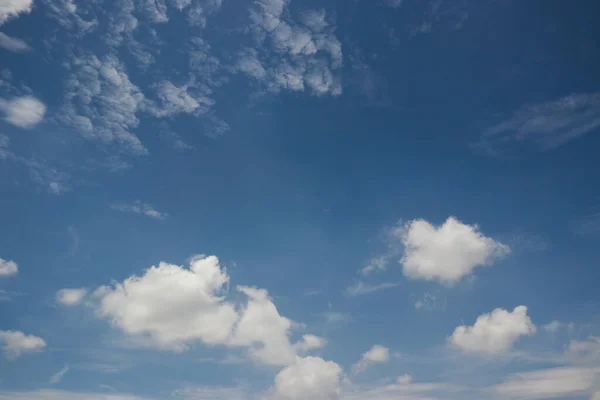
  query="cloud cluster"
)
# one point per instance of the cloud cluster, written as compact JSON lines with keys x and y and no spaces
{"x":446,"y":253}
{"x":171,"y":307}
{"x":493,"y":333}
{"x":17,"y":343}
{"x":24,"y":112}
{"x":102,"y":103}
{"x":292,"y":55}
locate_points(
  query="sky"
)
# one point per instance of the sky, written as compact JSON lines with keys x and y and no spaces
{"x":299,"y":200}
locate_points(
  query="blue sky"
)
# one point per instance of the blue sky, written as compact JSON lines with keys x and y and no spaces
{"x":293,"y":200}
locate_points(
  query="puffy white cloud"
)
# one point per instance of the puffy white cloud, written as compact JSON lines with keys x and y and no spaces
{"x":552,"y":326}
{"x":495,"y":332}
{"x":376,"y":354}
{"x":548,"y":384}
{"x":24,"y":112}
{"x":140,"y":208}
{"x":446,"y":253}
{"x":8,"y":268}
{"x":309,"y":378}
{"x":13,"y":44}
{"x":17,"y":343}
{"x":70,"y":297}
{"x":172,"y":305}
{"x":47,"y":394}
{"x":404,"y":379}
{"x":12,"y":8}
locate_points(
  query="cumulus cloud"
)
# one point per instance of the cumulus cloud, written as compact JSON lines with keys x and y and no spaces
{"x":102,"y":103}
{"x":545,"y":125}
{"x":138,"y":207}
{"x":309,"y":378}
{"x":24,"y":112}
{"x":12,"y":8}
{"x":171,"y":307}
{"x":8,"y":268}
{"x":15,"y":45}
{"x":376,"y":354}
{"x":17,"y":343}
{"x":551,"y":383}
{"x":446,"y":253}
{"x":585,"y":351}
{"x":493,"y":333}
{"x":71,"y":297}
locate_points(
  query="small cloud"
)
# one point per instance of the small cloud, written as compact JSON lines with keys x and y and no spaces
{"x":493,"y":333}
{"x":57,"y":377}
{"x":8,"y":268}
{"x":446,"y":253}
{"x":375,"y":355}
{"x":363,"y":288}
{"x":430,"y":302}
{"x":13,"y":44}
{"x":138,"y":207}
{"x":405,"y":379}
{"x":17,"y":343}
{"x":552,"y":327}
{"x":71,"y":297}
{"x":24,"y":112}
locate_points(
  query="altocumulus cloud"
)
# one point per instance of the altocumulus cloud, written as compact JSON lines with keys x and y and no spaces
{"x":24,"y":112}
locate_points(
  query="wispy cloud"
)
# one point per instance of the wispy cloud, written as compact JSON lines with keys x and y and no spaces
{"x":364,"y":288}
{"x":141,"y":208}
{"x":15,"y":45}
{"x":546,"y":125}
{"x":57,"y":377}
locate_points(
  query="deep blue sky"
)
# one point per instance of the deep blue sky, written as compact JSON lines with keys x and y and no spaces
{"x":452,"y":146}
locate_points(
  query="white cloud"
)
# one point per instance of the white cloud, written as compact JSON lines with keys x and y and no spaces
{"x":70,"y":297}
{"x":585,"y":351}
{"x":47,"y":394}
{"x":375,"y":355}
{"x":57,"y":377}
{"x":12,"y":8}
{"x":138,"y":207}
{"x":102,"y":103}
{"x":17,"y":343}
{"x":404,"y":389}
{"x":493,"y":333}
{"x":404,"y":379}
{"x":552,"y":326}
{"x":545,"y":125}
{"x":446,"y":253}
{"x":209,"y":393}
{"x":548,"y":384}
{"x":8,"y":268}
{"x":15,"y":45}
{"x":291,"y":55}
{"x":171,"y":307}
{"x":363,"y":288}
{"x":430,"y":302}
{"x":310,"y":342}
{"x":24,"y":112}
{"x":309,"y":378}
